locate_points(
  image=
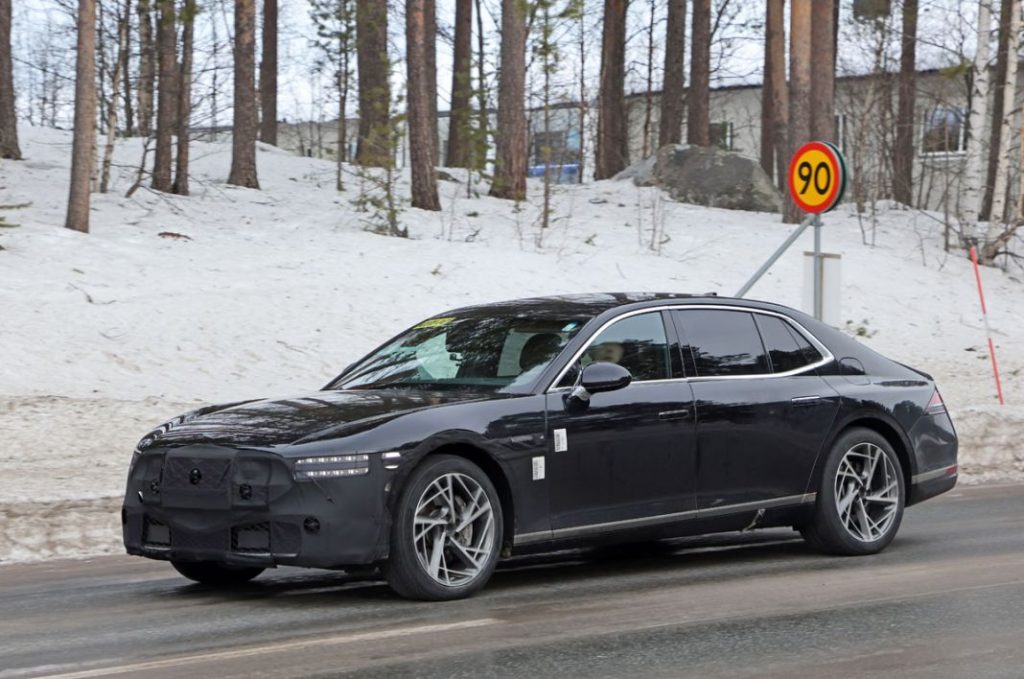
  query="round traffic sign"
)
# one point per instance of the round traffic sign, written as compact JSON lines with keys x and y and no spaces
{"x":817,"y":177}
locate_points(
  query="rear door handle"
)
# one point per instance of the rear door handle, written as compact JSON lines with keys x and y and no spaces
{"x":680,"y":414}
{"x":806,"y":400}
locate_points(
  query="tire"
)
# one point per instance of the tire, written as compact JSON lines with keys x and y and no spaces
{"x":868,"y":513}
{"x":469,"y":529}
{"x":214,"y":573}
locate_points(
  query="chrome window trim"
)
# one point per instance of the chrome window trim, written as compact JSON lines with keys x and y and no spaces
{"x":826,"y":355}
{"x":644,"y":521}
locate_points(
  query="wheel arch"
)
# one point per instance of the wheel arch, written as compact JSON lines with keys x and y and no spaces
{"x":890,"y":431}
{"x":497,"y":476}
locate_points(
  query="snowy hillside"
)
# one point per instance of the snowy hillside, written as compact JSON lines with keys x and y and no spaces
{"x":235,"y":293}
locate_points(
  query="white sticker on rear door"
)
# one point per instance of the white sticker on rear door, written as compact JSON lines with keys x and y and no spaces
{"x":538,"y":468}
{"x":561,"y":441}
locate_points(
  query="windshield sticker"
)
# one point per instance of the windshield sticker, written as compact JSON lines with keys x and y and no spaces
{"x":435,"y":323}
{"x":569,"y":326}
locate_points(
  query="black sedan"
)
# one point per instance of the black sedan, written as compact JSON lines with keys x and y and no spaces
{"x":543,"y":423}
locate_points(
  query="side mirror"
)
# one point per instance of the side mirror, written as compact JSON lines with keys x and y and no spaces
{"x":600,"y":377}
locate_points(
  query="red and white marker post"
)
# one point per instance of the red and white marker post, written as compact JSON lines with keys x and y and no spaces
{"x":988,"y":331}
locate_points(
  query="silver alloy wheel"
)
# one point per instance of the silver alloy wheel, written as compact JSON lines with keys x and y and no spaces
{"x":867,"y":492}
{"x":453,"y":532}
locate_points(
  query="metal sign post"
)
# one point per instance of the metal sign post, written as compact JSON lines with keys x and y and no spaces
{"x":818,"y":311}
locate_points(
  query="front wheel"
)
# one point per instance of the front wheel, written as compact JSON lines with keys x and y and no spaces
{"x":447,"y":531}
{"x":860,"y":503}
{"x":213,"y":573}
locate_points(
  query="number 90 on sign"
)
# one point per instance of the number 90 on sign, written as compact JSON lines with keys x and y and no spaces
{"x":817,"y":177}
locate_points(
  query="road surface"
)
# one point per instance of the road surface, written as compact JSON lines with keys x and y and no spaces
{"x":945,"y":600}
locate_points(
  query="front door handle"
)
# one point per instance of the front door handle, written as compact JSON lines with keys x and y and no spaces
{"x":680,"y":414}
{"x":806,"y":400}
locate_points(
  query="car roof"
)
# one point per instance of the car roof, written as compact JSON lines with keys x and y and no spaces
{"x":595,"y":303}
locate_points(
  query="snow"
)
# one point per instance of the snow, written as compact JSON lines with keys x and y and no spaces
{"x":103,"y":336}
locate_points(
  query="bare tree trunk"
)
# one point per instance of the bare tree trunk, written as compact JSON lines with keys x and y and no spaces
{"x":483,"y":123}
{"x":1000,"y":227}
{"x":167,"y":103}
{"x":146,"y":68}
{"x":670,"y":127}
{"x":698,"y":123}
{"x":188,"y":17}
{"x":420,"y":34}
{"x":243,"y":142}
{"x":510,"y":160}
{"x":84,"y":142}
{"x":799,"y":87}
{"x":8,"y":117}
{"x":778,"y":94}
{"x":995,"y":133}
{"x":374,"y":145}
{"x":972,"y":193}
{"x":767,"y":109}
{"x":823,"y":126}
{"x":649,"y":89}
{"x":459,"y":142}
{"x":612,"y":151}
{"x":126,"y":76}
{"x":268,"y":75}
{"x":903,"y":150}
{"x":115,"y":90}
{"x":584,"y":108}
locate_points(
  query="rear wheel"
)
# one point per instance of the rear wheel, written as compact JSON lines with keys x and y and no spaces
{"x":860,"y":503}
{"x":447,"y":531}
{"x":214,"y":573}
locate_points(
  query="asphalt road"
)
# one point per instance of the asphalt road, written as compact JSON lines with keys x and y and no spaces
{"x":945,"y":600}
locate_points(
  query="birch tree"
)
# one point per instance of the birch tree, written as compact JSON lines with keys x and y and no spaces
{"x":972,"y":194}
{"x":1001,"y":227}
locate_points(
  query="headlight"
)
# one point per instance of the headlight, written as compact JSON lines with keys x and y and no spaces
{"x":332,"y":465}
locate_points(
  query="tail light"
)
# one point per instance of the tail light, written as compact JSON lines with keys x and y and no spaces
{"x":936,"y":406}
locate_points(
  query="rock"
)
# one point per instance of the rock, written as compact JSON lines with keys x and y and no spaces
{"x":710,"y":176}
{"x":445,"y":176}
{"x":641,"y":172}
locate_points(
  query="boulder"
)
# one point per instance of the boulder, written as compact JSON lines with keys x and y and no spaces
{"x":708,"y":175}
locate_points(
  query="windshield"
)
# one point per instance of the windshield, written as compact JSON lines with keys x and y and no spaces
{"x":492,"y":352}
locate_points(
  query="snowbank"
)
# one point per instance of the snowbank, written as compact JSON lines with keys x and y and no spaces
{"x":272,"y":292}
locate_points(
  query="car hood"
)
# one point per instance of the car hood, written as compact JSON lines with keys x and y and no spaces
{"x":323,"y":414}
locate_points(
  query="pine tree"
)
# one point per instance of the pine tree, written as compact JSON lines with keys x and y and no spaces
{"x":421,"y":35}
{"x":268,"y":75}
{"x":670,"y":130}
{"x":510,"y":160}
{"x":84,"y":141}
{"x":374,"y":147}
{"x":612,"y":151}
{"x":188,"y":18}
{"x":799,"y":87}
{"x":167,"y":104}
{"x":698,"y":123}
{"x":903,"y":149}
{"x":146,"y":68}
{"x":460,"y":142}
{"x":8,"y":118}
{"x":243,"y":143}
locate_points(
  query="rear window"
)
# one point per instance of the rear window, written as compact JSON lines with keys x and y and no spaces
{"x":723,"y":342}
{"x":787,"y":349}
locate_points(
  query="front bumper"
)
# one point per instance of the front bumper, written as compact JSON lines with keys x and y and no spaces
{"x":243,"y":507}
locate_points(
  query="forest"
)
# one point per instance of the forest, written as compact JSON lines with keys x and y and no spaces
{"x":172,"y":71}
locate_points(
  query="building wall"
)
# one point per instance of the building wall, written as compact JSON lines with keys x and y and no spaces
{"x":865,"y":109}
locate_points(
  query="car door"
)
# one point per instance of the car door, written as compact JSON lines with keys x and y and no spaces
{"x":626,"y":458}
{"x":762,"y":411}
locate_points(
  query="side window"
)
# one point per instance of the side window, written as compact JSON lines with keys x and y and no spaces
{"x":787,"y":349}
{"x":637,"y":343}
{"x":723,"y":342}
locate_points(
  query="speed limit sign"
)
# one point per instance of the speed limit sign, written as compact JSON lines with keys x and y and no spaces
{"x":817,"y":177}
